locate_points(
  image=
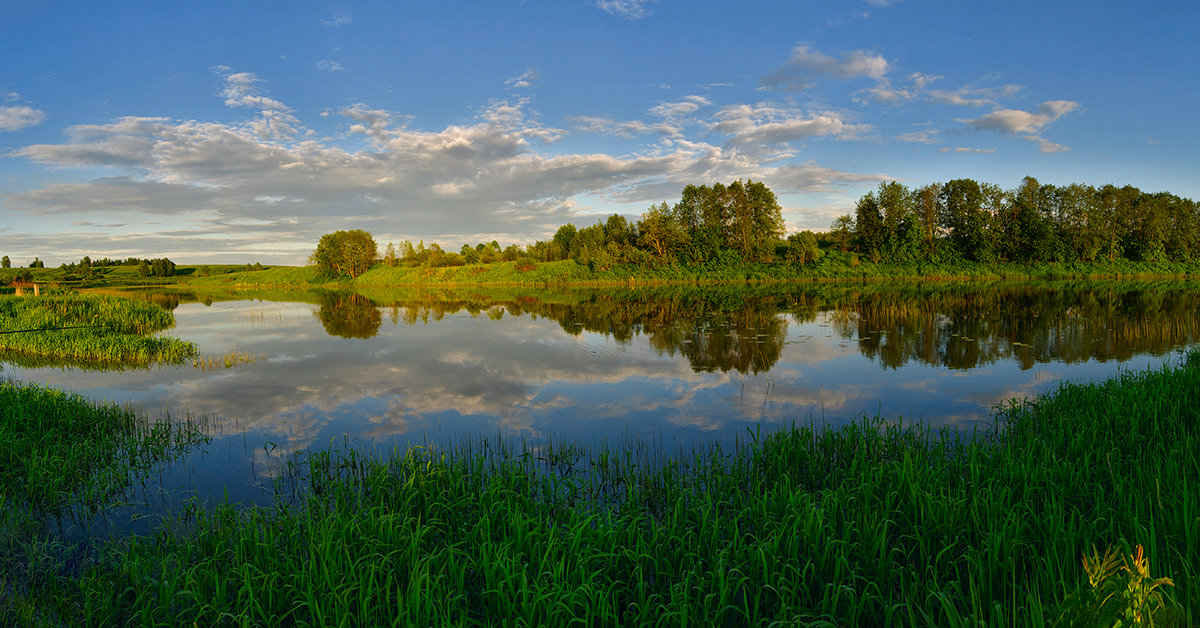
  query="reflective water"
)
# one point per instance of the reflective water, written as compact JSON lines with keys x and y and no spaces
{"x":675,"y":367}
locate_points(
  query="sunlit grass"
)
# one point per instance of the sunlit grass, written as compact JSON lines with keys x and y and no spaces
{"x":66,"y":329}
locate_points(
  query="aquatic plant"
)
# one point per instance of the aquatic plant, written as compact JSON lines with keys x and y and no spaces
{"x":71,"y":329}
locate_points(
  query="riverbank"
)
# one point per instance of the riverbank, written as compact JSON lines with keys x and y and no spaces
{"x":835,"y":266}
{"x":869,"y":524}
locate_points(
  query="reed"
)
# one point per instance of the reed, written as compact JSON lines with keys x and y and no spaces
{"x":872,"y":524}
{"x":93,"y":330}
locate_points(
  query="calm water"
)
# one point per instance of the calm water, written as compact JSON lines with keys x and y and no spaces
{"x":672,"y":367}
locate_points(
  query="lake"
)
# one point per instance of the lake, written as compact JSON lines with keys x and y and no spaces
{"x":669,"y":368}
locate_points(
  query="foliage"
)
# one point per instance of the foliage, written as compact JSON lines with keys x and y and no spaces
{"x":966,"y":220}
{"x":1119,"y":595}
{"x":345,"y":253}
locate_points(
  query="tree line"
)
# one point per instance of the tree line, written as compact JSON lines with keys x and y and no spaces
{"x":738,"y":223}
{"x":741,"y":223}
{"x":964,"y":220}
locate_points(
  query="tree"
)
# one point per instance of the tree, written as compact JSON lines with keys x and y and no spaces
{"x":345,"y":253}
{"x":869,"y":235}
{"x":966,"y":220}
{"x":5,"y":262}
{"x":37,"y":263}
{"x":660,"y":231}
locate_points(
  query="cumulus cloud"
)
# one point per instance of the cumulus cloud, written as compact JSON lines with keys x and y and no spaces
{"x":492,"y":173}
{"x":806,"y":63}
{"x":628,"y":9}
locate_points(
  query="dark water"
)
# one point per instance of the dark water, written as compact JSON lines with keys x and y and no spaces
{"x":672,"y":367}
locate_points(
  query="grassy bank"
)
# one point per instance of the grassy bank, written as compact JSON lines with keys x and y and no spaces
{"x":836,"y":266}
{"x":86,"y":330}
{"x":870,"y":524}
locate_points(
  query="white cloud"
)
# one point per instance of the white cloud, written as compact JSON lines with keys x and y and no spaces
{"x":1017,"y":121}
{"x":329,"y":66}
{"x":685,"y":107}
{"x":974,"y":96}
{"x":20,"y":117}
{"x":525,"y":80}
{"x":628,"y":9}
{"x":490,"y":175}
{"x":763,"y":126}
{"x":1025,"y":124}
{"x":806,"y":63}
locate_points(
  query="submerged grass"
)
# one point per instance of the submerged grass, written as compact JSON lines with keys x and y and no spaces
{"x":71,"y":329}
{"x":869,"y":524}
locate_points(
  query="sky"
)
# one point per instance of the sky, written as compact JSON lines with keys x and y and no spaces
{"x":239,"y":132}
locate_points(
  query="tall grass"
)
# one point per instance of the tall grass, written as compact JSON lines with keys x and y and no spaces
{"x":870,"y":524}
{"x":89,"y":330}
{"x":62,"y":456}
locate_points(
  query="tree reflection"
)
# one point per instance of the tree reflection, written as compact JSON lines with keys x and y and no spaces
{"x":349,"y":315}
{"x":955,"y":325}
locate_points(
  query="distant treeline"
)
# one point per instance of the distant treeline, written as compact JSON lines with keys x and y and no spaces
{"x":160,"y":267}
{"x":966,"y":220}
{"x":942,"y":223}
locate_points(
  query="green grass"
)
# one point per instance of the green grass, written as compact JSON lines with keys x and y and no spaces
{"x":90,"y":330}
{"x":869,"y":524}
{"x":62,"y":456}
{"x":835,"y":266}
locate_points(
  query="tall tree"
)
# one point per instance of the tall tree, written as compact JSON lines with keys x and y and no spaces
{"x":965,"y":219}
{"x":869,"y":235}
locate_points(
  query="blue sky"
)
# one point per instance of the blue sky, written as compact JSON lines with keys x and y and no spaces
{"x":241,"y":131}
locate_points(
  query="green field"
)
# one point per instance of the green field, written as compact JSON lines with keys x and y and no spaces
{"x":869,"y":524}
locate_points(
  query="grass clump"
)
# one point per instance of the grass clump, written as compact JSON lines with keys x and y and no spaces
{"x":71,"y":329}
{"x":869,"y":524}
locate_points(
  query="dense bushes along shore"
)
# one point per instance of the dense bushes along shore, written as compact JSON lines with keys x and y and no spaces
{"x":1084,"y":492}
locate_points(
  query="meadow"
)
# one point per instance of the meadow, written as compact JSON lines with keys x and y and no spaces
{"x":1076,"y":508}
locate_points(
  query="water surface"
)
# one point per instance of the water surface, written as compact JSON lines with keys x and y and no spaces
{"x":673,"y":367}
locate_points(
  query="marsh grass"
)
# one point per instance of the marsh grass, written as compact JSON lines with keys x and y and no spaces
{"x":869,"y":524}
{"x":64,"y":457}
{"x":227,"y":361}
{"x":69,"y":329}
